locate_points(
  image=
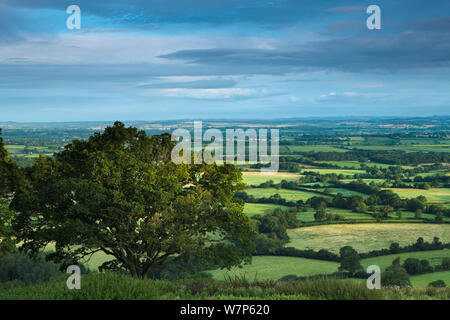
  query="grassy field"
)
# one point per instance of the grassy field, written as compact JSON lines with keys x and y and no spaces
{"x":434,"y":195}
{"x":252,"y":209}
{"x":348,"y":215}
{"x":408,"y":148}
{"x":345,"y":172}
{"x":18,"y":151}
{"x":317,"y":148}
{"x":291,"y":195}
{"x":120,"y":287}
{"x":355,"y":164}
{"x":273,"y":268}
{"x":434,"y":256}
{"x":257,"y":177}
{"x":364,"y":237}
{"x":421,"y":281}
{"x":345,"y":192}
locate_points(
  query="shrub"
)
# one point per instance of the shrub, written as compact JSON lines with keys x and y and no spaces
{"x":437,"y":284}
{"x":395,"y":276}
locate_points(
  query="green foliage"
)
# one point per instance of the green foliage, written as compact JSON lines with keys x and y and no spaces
{"x":9,"y":175}
{"x":19,"y":267}
{"x":276,"y":223}
{"x":395,"y":275}
{"x":415,"y":266}
{"x":437,"y":284}
{"x":350,"y":260}
{"x":120,"y":193}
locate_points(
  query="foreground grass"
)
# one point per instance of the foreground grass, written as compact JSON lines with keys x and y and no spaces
{"x":120,"y":287}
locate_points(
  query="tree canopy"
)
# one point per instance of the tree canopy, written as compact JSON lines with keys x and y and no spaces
{"x":8,"y":181}
{"x":119,"y":193}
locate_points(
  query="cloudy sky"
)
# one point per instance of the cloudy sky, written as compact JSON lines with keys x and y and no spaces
{"x":205,"y":59}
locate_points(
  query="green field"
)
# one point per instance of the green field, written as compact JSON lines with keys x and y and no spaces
{"x":312,"y":148}
{"x":18,"y":151}
{"x":345,"y":192}
{"x":407,"y":148}
{"x":252,"y":209}
{"x":365,"y":237}
{"x":345,"y":172}
{"x":256,"y":177}
{"x":273,"y":268}
{"x":290,"y":195}
{"x":434,"y":256}
{"x":434,"y":195}
{"x":348,"y":215}
{"x":421,"y":281}
{"x":355,"y":164}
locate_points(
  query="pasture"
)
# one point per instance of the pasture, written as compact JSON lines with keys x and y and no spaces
{"x":407,"y":148}
{"x":312,"y":148}
{"x":355,"y":164}
{"x":345,"y":172}
{"x":273,"y":268}
{"x":252,"y":209}
{"x":434,"y":256}
{"x":422,"y":280}
{"x":433,"y":195}
{"x":290,"y":195}
{"x":365,"y":237}
{"x":347,"y":214}
{"x":257,"y":177}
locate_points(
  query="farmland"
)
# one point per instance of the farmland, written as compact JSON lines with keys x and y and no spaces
{"x":286,"y":194}
{"x":364,"y":237}
{"x":273,"y":268}
{"x":337,"y":193}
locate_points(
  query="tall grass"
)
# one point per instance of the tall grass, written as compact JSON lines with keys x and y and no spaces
{"x":111,"y":286}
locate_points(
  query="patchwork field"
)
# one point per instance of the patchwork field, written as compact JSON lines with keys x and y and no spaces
{"x":345,"y":172}
{"x":316,"y":148}
{"x":436,"y":195}
{"x":32,"y":152}
{"x":345,"y":192}
{"x":434,"y":256}
{"x":257,"y":177}
{"x":291,"y":195}
{"x":421,"y":281}
{"x":348,"y":215}
{"x":408,"y":148}
{"x":355,"y":164}
{"x":252,"y":209}
{"x":270,"y":267}
{"x":365,"y":237}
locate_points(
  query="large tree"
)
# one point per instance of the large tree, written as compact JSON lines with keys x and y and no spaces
{"x":120,"y":193}
{"x":8,"y":181}
{"x":8,"y":171}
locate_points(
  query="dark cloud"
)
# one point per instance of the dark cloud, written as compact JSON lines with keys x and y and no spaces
{"x":383,"y":52}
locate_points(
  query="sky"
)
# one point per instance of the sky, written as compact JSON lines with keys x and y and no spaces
{"x":210,"y":59}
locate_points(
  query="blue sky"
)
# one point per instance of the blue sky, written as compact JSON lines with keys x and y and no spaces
{"x":211,"y":59}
